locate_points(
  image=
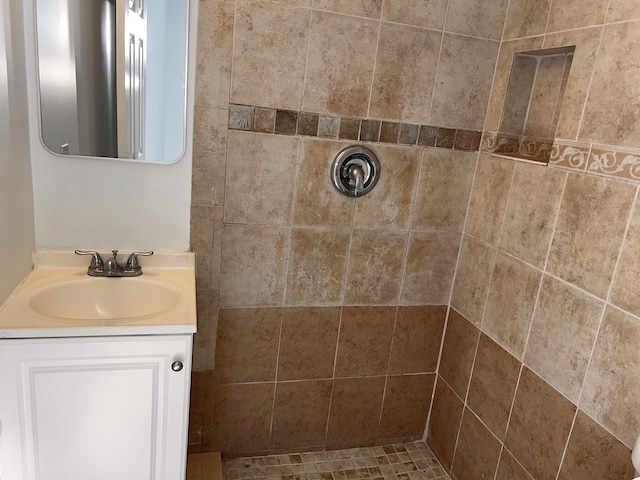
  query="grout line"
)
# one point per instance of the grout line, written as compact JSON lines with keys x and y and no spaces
{"x":410,"y":229}
{"x":373,"y":70}
{"x":544,"y":274}
{"x":496,"y":247}
{"x":306,"y":62}
{"x":588,"y":92}
{"x":437,"y":69}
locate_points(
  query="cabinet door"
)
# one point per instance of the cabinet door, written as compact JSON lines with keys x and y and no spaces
{"x":94,"y":408}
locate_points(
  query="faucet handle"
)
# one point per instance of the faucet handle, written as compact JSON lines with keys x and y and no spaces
{"x":97,"y":263}
{"x":132,"y":264}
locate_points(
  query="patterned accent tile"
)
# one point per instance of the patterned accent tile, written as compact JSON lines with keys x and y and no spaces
{"x":535,"y":149}
{"x":328,"y":126}
{"x":569,"y":155}
{"x":240,"y":117}
{"x":615,"y":163}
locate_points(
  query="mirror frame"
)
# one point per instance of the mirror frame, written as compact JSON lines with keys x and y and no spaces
{"x":185,"y":94}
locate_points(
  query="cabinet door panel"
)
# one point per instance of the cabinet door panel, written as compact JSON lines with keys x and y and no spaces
{"x":100,"y":409}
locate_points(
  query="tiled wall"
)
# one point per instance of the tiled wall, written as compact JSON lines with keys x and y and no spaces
{"x":306,"y":297}
{"x":538,"y":375}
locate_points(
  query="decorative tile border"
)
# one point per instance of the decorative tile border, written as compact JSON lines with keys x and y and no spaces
{"x":603,"y":160}
{"x":288,"y":122}
{"x":615,"y":162}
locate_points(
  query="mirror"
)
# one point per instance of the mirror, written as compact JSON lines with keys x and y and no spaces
{"x":112,"y":77}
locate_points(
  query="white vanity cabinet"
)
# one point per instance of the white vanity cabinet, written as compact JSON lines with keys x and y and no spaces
{"x":94,"y":408}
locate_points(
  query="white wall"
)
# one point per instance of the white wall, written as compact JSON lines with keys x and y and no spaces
{"x":105,"y":204}
{"x":16,"y":201}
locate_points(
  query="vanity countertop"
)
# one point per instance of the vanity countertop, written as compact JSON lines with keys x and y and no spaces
{"x":53,"y":300}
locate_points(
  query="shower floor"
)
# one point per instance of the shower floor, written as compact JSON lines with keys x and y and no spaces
{"x":405,"y":461}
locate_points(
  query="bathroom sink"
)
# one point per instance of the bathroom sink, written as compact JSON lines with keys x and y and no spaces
{"x":59,"y":299}
{"x":97,"y":298}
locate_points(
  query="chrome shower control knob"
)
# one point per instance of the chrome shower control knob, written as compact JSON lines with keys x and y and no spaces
{"x":355,"y":171}
{"x":176,"y":366}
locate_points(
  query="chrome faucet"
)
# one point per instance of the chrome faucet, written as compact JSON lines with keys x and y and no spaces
{"x":111,"y":267}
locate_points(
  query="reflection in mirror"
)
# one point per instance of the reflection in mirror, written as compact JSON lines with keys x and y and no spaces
{"x":112,"y":77}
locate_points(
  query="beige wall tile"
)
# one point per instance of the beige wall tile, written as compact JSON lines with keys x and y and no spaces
{"x":389,"y":204}
{"x":242,"y":417}
{"x":308,"y":343}
{"x":531,"y":212}
{"x":269,"y":54}
{"x":463,"y":82}
{"x":340,"y":64}
{"x":443,"y":190}
{"x":477,"y":18}
{"x":317,"y":201}
{"x":539,"y":426}
{"x":375,"y":267}
{"x":201,"y":236}
{"x":547,"y":92}
{"x":430,"y":266}
{"x":592,"y":451}
{"x":361,"y":8}
{"x":477,"y":450}
{"x":204,"y":341}
{"x":611,"y":393}
{"x":300,"y":414}
{"x":209,"y":156}
{"x":489,"y":197}
{"x":253,"y":265}
{"x":623,"y":10}
{"x":473,"y":275}
{"x":512,"y":298}
{"x":575,"y":94}
{"x":590,"y":229}
{"x":355,"y":412}
{"x":562,"y":335}
{"x":423,"y":13}
{"x":444,"y":423}
{"x":214,"y":52}
{"x":493,"y":385}
{"x":570,"y":14}
{"x":317,"y":265}
{"x":625,"y":292}
{"x":364,"y":342}
{"x":406,"y":406}
{"x":416,"y":339}
{"x":458,"y":352}
{"x":510,"y":469}
{"x":258,"y":186}
{"x":501,"y":78}
{"x":526,"y":18}
{"x":610,"y":116}
{"x":247,"y":345}
{"x":405,"y":71}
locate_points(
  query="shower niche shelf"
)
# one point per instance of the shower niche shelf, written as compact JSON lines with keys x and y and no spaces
{"x":533,"y":102}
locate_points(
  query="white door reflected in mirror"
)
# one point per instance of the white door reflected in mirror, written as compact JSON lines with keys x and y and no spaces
{"x":112,"y":77}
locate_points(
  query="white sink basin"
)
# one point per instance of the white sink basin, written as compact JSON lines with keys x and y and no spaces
{"x":59,"y":299}
{"x":96,"y":298}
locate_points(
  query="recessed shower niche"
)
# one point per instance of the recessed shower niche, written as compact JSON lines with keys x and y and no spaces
{"x":533,"y":102}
